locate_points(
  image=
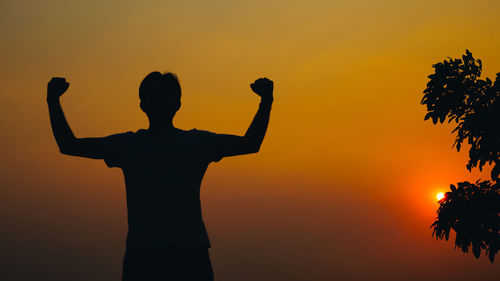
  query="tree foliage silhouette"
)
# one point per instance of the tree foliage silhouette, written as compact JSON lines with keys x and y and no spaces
{"x":456,"y":93}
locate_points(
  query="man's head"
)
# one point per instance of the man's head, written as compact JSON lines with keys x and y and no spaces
{"x":160,"y":95}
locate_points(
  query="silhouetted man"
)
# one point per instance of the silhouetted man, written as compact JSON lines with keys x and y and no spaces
{"x":163,"y":168}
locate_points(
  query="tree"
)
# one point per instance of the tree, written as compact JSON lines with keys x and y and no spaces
{"x":456,"y":93}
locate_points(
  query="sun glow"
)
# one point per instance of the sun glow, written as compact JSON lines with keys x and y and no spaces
{"x":440,"y":196}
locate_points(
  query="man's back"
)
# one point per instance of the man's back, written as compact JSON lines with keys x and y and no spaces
{"x":163,"y":174}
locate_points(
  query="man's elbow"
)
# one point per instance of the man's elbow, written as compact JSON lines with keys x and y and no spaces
{"x":254,"y":147}
{"x":251,"y":145}
{"x":68,"y":148}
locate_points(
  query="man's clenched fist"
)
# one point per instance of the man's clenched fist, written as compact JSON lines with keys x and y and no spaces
{"x":56,"y":87}
{"x":264,"y":88}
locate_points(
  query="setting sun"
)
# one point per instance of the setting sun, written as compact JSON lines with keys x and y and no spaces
{"x":440,"y":196}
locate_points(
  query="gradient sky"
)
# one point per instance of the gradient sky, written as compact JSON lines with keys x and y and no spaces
{"x":344,"y":186}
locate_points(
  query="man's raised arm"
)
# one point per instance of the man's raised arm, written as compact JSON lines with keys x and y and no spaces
{"x":231,"y":145}
{"x":257,"y":130}
{"x":66,"y":140}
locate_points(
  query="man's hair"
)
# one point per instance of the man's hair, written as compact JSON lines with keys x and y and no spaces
{"x":158,"y":85}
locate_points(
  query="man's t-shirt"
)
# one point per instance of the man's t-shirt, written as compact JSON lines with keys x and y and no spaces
{"x":163,"y":174}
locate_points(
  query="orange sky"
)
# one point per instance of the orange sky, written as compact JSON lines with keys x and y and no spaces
{"x":344,"y":186}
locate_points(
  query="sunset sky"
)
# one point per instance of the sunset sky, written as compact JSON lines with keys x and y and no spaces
{"x":344,"y":186}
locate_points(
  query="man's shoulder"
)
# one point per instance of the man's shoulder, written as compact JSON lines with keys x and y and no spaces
{"x":125,"y":136}
{"x":140,"y":132}
{"x":199,"y":132}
